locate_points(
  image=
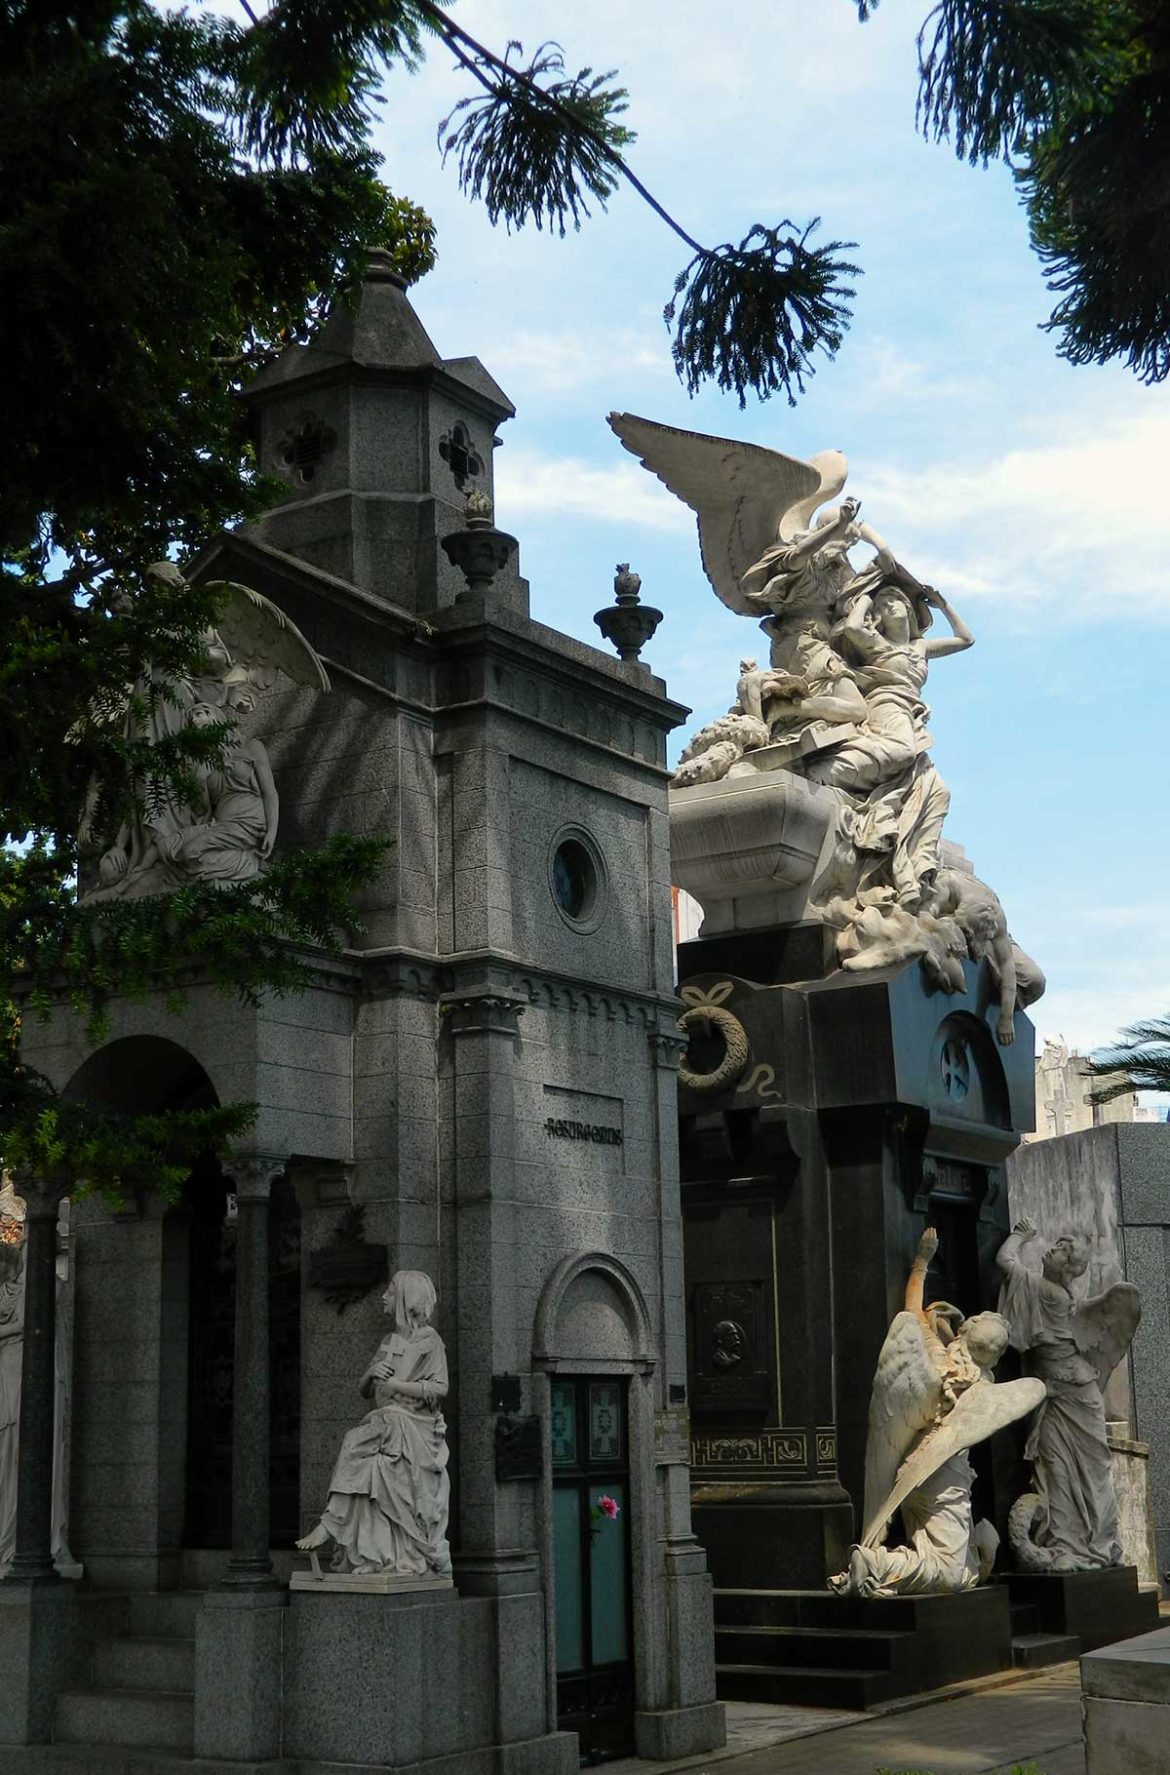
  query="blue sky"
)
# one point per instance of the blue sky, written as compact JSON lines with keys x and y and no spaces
{"x":1032,"y":493}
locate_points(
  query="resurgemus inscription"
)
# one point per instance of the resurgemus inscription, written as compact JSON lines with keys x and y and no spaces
{"x":559,"y":1129}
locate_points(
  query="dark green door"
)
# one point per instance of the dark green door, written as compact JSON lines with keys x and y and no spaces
{"x":595,"y":1657}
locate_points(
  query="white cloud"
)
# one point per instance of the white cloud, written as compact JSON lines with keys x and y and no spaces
{"x":535,"y":486}
{"x":562,"y":362}
{"x":1080,"y":523}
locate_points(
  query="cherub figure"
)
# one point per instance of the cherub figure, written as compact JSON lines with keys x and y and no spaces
{"x":934,"y":1397}
{"x":1069,"y":1522}
{"x":977,"y":911}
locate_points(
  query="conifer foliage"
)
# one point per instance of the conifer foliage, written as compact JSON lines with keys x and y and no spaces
{"x":1075,"y":96}
{"x":182,"y":196}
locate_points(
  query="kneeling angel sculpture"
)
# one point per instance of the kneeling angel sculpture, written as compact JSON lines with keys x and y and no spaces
{"x":388,"y":1497}
{"x":934,"y":1397}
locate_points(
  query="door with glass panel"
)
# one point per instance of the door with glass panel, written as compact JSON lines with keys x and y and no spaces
{"x":591,"y":1532}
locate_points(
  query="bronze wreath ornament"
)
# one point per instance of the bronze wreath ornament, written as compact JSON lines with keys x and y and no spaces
{"x":735,"y":1048}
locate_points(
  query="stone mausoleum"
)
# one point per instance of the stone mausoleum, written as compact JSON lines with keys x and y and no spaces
{"x":481,"y":1087}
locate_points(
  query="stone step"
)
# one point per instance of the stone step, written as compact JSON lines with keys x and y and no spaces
{"x":1025,"y":1619}
{"x":164,"y":1614}
{"x":112,"y":1759}
{"x":819,"y":1647}
{"x":803,"y":1685}
{"x":815,"y":1608}
{"x":1032,"y":1650}
{"x":145,"y":1663}
{"x":139,"y":1719}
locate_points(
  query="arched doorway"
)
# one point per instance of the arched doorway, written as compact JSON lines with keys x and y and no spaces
{"x":593,"y":1352}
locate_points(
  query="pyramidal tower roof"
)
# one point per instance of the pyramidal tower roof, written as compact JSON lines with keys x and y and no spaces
{"x":377,"y":329}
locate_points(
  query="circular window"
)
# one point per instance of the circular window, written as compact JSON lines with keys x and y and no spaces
{"x":577,"y":879}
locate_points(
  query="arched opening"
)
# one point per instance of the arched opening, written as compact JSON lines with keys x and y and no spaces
{"x":594,"y":1349}
{"x":142,"y":1075}
{"x":176,"y":1271}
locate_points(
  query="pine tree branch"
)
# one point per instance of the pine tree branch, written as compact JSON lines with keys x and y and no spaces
{"x":468,"y":50}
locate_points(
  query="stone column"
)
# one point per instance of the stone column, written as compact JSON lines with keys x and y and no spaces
{"x":33,"y":1559}
{"x":251,"y":1565}
{"x":484,"y":1022}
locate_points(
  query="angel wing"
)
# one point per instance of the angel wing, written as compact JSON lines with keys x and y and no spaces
{"x":906,"y":1388}
{"x":977,"y":1414}
{"x":258,"y":633}
{"x":745,"y":497}
{"x":1103,"y":1327}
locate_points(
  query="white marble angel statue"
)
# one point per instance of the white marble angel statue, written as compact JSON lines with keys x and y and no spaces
{"x":934,"y":1397}
{"x":847,"y":647}
{"x":228,"y":832}
{"x":761,"y":549}
{"x":1069,"y":1522}
{"x":388,"y":1497}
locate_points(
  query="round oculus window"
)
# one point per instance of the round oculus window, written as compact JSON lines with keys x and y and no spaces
{"x":577,"y":880}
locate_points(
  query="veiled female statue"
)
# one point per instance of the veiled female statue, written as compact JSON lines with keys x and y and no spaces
{"x":934,"y":1397}
{"x":388,"y":1497}
{"x":1069,"y":1522}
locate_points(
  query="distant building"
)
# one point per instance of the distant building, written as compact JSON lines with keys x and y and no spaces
{"x":1063,"y":1091}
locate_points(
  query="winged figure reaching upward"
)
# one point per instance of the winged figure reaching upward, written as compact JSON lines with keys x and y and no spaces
{"x":1070,"y":1521}
{"x":933,"y":1398}
{"x":755,"y":506}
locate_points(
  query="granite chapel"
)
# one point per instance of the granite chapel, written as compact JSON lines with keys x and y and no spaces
{"x":482,"y":1089}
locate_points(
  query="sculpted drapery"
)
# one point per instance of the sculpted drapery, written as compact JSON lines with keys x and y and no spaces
{"x":389,"y":1493}
{"x":934,"y":1397}
{"x":840,"y":703}
{"x":1070,"y":1521}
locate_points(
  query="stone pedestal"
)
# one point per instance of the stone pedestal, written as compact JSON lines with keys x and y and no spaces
{"x":1126,"y":1691}
{"x":824,"y":1121}
{"x":37,"y":1652}
{"x":399,"y":1681}
{"x":811,"y":1648}
{"x":1097,"y":1608}
{"x":1135,"y":1514}
{"x":238,"y":1638}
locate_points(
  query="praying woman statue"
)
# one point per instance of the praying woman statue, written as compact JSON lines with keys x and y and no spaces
{"x":388,"y":1497}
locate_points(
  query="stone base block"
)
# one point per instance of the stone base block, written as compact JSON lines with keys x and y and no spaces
{"x":1098,"y":1608}
{"x":1127,"y":1706}
{"x":680,"y":1731}
{"x":1125,"y":1737}
{"x":366,"y":1583}
{"x":238,"y":1637}
{"x":39,"y":1649}
{"x":811,"y":1648}
{"x":553,"y":1754}
{"x":412,"y":1679}
{"x":758,"y":1534}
